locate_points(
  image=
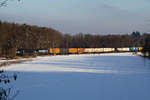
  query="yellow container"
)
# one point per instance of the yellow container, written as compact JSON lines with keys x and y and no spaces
{"x":80,"y":50}
{"x":54,"y":50}
{"x":50,"y":50}
{"x":140,"y":48}
{"x":57,"y":50}
{"x":73,"y":50}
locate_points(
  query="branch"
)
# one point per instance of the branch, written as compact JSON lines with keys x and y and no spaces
{"x":4,"y":3}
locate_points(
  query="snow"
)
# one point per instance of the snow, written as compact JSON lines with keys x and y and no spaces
{"x":78,"y":63}
{"x":113,"y":76}
{"x":10,"y":61}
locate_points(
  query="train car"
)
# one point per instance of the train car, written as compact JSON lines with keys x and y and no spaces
{"x":98,"y":50}
{"x":109,"y":49}
{"x":81,"y":50}
{"x":54,"y":50}
{"x":140,"y":48}
{"x":89,"y":50}
{"x":123,"y":49}
{"x":43,"y":51}
{"x":73,"y":50}
{"x":133,"y":49}
{"x":64,"y":51}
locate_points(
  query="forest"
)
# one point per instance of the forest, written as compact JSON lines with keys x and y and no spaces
{"x":23,"y":36}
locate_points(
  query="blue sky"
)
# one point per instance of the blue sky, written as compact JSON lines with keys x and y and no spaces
{"x":87,"y":16}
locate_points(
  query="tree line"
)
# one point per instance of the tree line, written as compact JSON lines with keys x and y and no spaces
{"x":103,"y":41}
{"x":23,"y":36}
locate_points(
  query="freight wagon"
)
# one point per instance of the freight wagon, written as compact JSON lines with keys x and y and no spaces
{"x":89,"y":50}
{"x":123,"y":49}
{"x":109,"y":50}
{"x":98,"y":50}
{"x":81,"y":50}
{"x":64,"y":51}
{"x":140,"y":48}
{"x":54,"y":50}
{"x":133,"y":49}
{"x":73,"y":51}
{"x":43,"y":52}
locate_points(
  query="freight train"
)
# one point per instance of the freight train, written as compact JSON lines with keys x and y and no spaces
{"x":59,"y":51}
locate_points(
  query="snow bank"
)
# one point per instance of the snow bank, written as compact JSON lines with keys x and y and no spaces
{"x":71,"y":63}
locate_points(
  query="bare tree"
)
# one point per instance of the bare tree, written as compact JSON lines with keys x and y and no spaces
{"x":4,"y":2}
{"x":6,"y":92}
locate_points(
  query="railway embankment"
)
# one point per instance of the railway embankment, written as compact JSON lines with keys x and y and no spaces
{"x":7,"y":62}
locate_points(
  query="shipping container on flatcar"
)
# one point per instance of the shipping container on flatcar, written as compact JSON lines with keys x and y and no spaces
{"x":95,"y":50}
{"x":63,"y":50}
{"x":43,"y":51}
{"x":109,"y":49}
{"x":98,"y":50}
{"x":73,"y":50}
{"x":140,"y":48}
{"x":54,"y":50}
{"x":123,"y":49}
{"x":133,"y":49}
{"x":51,"y":50}
{"x":80,"y":50}
{"x":89,"y":50}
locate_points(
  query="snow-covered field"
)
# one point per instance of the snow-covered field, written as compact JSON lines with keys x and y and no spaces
{"x":121,"y":76}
